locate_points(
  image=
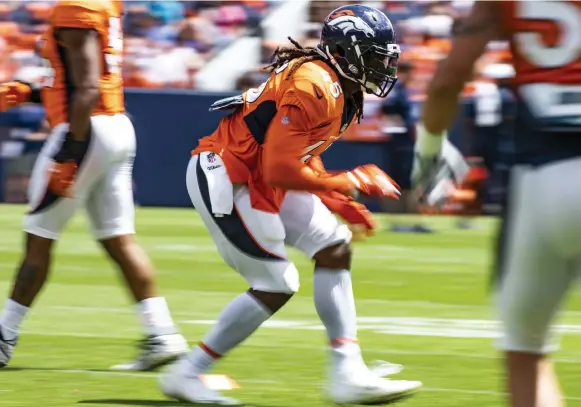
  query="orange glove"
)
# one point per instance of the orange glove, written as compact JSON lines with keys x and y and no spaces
{"x":361,"y":222}
{"x":62,"y":178}
{"x":372,"y":181}
{"x":63,"y":173}
{"x":13,"y":94}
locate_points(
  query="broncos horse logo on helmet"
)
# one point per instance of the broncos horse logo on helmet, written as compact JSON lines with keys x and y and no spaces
{"x":359,"y":41}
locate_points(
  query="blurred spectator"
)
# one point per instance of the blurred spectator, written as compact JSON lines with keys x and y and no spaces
{"x":166,"y":42}
{"x":207,"y":27}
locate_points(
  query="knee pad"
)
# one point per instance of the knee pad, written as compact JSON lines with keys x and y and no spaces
{"x":282,"y":277}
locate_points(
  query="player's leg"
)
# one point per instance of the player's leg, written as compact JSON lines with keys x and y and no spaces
{"x":539,"y":265}
{"x":251,"y":242}
{"x":111,"y":212}
{"x":46,"y":218}
{"x":313,"y":229}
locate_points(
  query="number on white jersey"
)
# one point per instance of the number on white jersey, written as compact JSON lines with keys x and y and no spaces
{"x":531,"y":45}
{"x":552,"y":102}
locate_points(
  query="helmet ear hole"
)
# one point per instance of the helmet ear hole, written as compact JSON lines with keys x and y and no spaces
{"x":340,"y":51}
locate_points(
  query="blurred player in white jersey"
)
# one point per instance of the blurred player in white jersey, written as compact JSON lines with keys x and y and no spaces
{"x":540,"y":241}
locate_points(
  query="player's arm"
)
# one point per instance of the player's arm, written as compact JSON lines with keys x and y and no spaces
{"x":83,"y":52}
{"x":285,"y":144}
{"x":83,"y":61}
{"x":470,"y":37}
{"x":316,"y":164}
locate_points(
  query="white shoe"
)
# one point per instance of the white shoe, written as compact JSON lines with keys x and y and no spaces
{"x":177,"y":384}
{"x":156,"y":351}
{"x":6,"y":348}
{"x":367,"y":386}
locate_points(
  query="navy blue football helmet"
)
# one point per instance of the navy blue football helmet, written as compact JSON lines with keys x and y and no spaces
{"x":359,"y":41}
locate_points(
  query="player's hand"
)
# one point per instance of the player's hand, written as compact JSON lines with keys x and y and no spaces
{"x":62,"y":174}
{"x":438,"y":169}
{"x":13,"y":94}
{"x":427,"y":151}
{"x":371,"y":181}
{"x":361,"y":222}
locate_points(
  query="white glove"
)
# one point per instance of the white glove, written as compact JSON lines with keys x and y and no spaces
{"x":438,"y":168}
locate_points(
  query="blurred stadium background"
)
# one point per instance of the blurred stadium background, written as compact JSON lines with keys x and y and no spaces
{"x":424,"y":300}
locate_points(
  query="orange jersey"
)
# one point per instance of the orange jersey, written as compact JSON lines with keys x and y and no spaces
{"x":105,"y":18}
{"x":242,"y":138}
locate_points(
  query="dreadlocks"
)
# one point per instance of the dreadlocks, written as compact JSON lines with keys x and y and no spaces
{"x":282,"y":55}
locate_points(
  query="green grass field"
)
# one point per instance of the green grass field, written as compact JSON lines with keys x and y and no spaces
{"x":422,"y":302}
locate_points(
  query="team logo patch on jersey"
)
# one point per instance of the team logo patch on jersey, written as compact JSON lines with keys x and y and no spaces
{"x":285,"y":120}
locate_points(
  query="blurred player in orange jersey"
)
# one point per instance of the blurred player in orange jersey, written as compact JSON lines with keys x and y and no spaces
{"x":540,"y":239}
{"x":257,"y":183}
{"x":86,"y":161}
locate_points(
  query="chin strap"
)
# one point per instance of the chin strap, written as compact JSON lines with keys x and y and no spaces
{"x":357,"y":101}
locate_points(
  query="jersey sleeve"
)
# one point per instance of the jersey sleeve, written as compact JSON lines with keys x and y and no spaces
{"x":79,"y":14}
{"x":311,"y":98}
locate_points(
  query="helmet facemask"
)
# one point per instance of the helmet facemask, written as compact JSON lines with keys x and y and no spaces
{"x":373,"y":67}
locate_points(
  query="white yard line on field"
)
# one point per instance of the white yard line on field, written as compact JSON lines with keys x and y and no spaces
{"x":413,"y":326}
{"x":296,"y":346}
{"x":419,"y":352}
{"x":416,"y":304}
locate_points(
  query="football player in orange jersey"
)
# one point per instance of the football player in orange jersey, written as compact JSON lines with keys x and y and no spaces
{"x":539,"y":246}
{"x":86,"y":161}
{"x":257,"y":182}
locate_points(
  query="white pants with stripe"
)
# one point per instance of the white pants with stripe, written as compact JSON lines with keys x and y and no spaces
{"x":252,"y":241}
{"x":103,"y":185}
{"x":542,"y":252}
